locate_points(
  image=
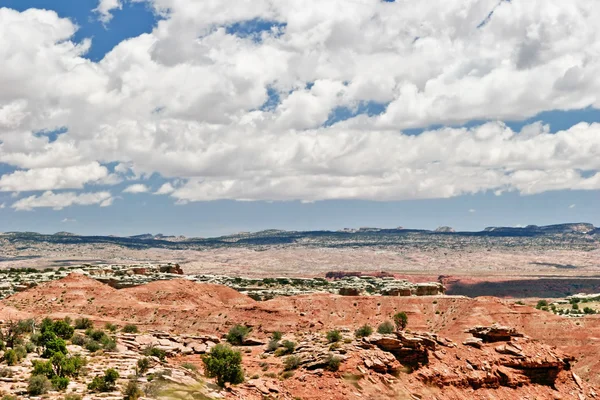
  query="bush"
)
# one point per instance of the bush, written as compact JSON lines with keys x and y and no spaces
{"x":38,"y":385}
{"x":9,"y":397}
{"x":79,"y":340}
{"x":72,"y":397}
{"x":30,"y":347}
{"x":334,"y":336}
{"x":83,"y":323}
{"x":541,"y":304}
{"x":143,"y":365}
{"x":386,"y":328}
{"x":63,"y":330}
{"x":189,"y":366}
{"x":277,"y":335}
{"x":588,"y":310}
{"x":272,"y":345}
{"x":11,"y":358}
{"x":130,"y":328}
{"x":59,"y":382}
{"x":92,"y":346}
{"x":333,"y":363}
{"x":104,"y":383}
{"x":291,"y":362}
{"x":363,"y":331}
{"x":110,"y":327}
{"x":151,"y":351}
{"x":97,"y":335}
{"x":109,"y":344}
{"x":289,"y":346}
{"x":52,"y":344}
{"x":237,"y":334}
{"x":401,"y":320}
{"x":132,"y":391}
{"x":225,"y":364}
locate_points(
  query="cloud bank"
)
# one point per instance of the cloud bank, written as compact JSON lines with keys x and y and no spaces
{"x":302,"y":100}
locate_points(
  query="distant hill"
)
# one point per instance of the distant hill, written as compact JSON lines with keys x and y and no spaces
{"x":341,"y":238}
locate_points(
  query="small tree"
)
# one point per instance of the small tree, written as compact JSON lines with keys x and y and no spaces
{"x":401,"y":320}
{"x":363,"y":331}
{"x":237,"y":334}
{"x":334,"y":336}
{"x":385,"y":328}
{"x":225,"y":364}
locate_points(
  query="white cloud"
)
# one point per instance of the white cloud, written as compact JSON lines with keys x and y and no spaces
{"x":68,"y":220}
{"x":136,"y":188}
{"x":58,"y":201}
{"x":572,"y":206}
{"x":166,"y":188}
{"x":186,"y":100}
{"x":472,"y":210}
{"x":53,"y":178}
{"x":2,"y":205}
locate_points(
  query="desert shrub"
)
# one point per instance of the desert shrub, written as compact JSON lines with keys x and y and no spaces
{"x":152,"y":351}
{"x":333,"y":363}
{"x":588,"y":310}
{"x":225,"y":364}
{"x":96,"y":334}
{"x":237,"y":334}
{"x":130,"y":328}
{"x":110,"y":327}
{"x":59,"y":382}
{"x":104,"y":383}
{"x":541,"y":304}
{"x":334,"y":336}
{"x":289,"y":346}
{"x":109,"y":344}
{"x":30,"y":347}
{"x":10,"y":357}
{"x":62,"y":329}
{"x":575,"y":306}
{"x":132,"y":391}
{"x":291,"y":362}
{"x":83,"y":323}
{"x":79,"y":340}
{"x":6,"y":373}
{"x":272,"y":345}
{"x":386,"y":328}
{"x":363,"y":331}
{"x":189,"y":366}
{"x":92,"y":346}
{"x":38,"y":385}
{"x":2,"y":344}
{"x":143,"y":365}
{"x":277,"y":335}
{"x":9,"y":397}
{"x":401,"y":320}
{"x":72,"y":396}
{"x":287,"y":374}
{"x":51,"y":344}
{"x":26,"y":325}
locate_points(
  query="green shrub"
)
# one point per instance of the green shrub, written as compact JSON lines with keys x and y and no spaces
{"x":9,"y":397}
{"x":62,"y":329}
{"x":541,"y":304}
{"x":385,"y":328}
{"x":401,"y":320}
{"x":152,"y":351}
{"x":83,"y":323}
{"x":59,"y":382}
{"x":189,"y":366}
{"x":588,"y":310}
{"x":11,"y":358}
{"x":96,"y":334}
{"x":104,"y":383}
{"x":291,"y":362}
{"x":132,"y":391}
{"x":30,"y":347}
{"x":130,"y":328}
{"x":277,"y":335}
{"x":72,"y":397}
{"x":272,"y":345}
{"x":92,"y":346}
{"x":225,"y":364}
{"x":333,"y":363}
{"x":237,"y":334}
{"x":109,"y":344}
{"x":143,"y":365}
{"x":363,"y":331}
{"x":79,"y":340}
{"x":38,"y":385}
{"x":110,"y":327}
{"x":289,"y":346}
{"x":334,"y":336}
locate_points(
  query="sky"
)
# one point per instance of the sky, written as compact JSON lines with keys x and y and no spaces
{"x":207,"y":118}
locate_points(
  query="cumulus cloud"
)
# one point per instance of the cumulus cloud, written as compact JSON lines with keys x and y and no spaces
{"x":572,"y":206}
{"x":53,"y":178}
{"x":58,"y":201}
{"x":137,"y":188}
{"x":251,"y":115}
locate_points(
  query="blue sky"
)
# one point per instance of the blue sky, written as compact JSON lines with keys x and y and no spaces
{"x":253,"y":144}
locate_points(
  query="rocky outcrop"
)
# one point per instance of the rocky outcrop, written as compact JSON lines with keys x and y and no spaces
{"x":494,"y":333}
{"x":171,"y":344}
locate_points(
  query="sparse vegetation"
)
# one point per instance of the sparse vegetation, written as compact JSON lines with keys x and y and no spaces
{"x":363,"y":331}
{"x":333,"y":363}
{"x":142,"y":366}
{"x":225,"y":364}
{"x":401,"y":320}
{"x":237,"y":334}
{"x":104,"y":383}
{"x":541,"y":304}
{"x":83,"y":323}
{"x":152,"y":351}
{"x":386,"y":328}
{"x":132,"y":391}
{"x":334,"y":336}
{"x":38,"y":385}
{"x":291,"y":362}
{"x":130,"y":328}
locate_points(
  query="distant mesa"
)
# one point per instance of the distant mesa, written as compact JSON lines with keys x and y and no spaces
{"x":445,"y":229}
{"x":64,"y":234}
